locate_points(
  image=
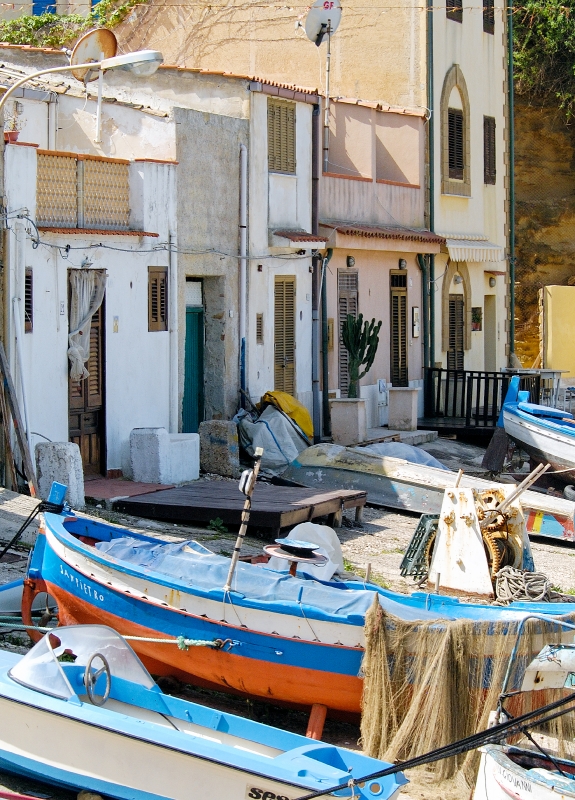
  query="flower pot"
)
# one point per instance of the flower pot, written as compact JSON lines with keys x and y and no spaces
{"x":348,"y":421}
{"x":11,"y":136}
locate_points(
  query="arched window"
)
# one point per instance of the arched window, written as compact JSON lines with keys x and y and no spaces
{"x":455,"y":135}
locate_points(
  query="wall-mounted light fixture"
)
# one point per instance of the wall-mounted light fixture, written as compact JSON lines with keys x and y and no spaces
{"x":402,"y":263}
{"x":457,"y":279}
{"x":492,"y":281}
{"x":350,"y":261}
{"x":260,"y":267}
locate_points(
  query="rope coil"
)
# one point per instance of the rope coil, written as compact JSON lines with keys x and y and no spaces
{"x":512,"y":585}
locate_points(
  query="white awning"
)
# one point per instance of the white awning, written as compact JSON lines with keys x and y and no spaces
{"x":473,"y":249}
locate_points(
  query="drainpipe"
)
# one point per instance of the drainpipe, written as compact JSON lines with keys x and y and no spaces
{"x":173,"y":342}
{"x":431,"y":139}
{"x":511,"y":142}
{"x":315,"y":287}
{"x":421,"y":260}
{"x":324,"y":366}
{"x":243,"y":267}
{"x":52,"y":121}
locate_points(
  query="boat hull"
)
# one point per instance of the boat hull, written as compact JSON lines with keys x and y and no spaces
{"x":544,"y":443}
{"x":500,"y":778}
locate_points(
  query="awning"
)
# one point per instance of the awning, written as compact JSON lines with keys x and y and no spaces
{"x":297,"y":239}
{"x":472,"y":248}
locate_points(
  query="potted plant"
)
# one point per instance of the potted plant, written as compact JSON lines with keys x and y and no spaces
{"x":348,"y":415}
{"x":13,"y":125}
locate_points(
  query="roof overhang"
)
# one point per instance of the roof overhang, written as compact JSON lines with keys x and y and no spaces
{"x":353,"y":236}
{"x":472,"y":247}
{"x":296,"y":240}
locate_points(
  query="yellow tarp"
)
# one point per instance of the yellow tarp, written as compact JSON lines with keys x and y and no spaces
{"x":293,"y":408}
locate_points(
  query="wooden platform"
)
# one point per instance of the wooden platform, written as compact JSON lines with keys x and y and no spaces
{"x":273,"y":507}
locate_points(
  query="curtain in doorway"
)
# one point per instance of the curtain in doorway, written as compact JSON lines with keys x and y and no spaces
{"x":87,"y":287}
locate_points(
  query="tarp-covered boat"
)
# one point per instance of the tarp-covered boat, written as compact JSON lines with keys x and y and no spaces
{"x":288,"y":639}
{"x":80,"y":711}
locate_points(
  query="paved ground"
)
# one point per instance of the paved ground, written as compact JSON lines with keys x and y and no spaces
{"x":381,"y":542}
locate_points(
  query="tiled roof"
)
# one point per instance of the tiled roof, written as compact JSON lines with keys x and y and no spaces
{"x":375,"y":232}
{"x":96,"y":231}
{"x":300,"y":236}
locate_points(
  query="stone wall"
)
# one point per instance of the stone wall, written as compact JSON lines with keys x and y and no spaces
{"x":545,"y":213}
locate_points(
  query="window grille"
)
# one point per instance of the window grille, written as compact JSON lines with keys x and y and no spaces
{"x":489,"y":169}
{"x":456,"y":143}
{"x":259,"y":328}
{"x":157,"y":298}
{"x":28,"y":301}
{"x":281,"y":136}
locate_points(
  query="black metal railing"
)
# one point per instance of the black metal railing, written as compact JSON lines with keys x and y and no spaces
{"x":471,"y":396}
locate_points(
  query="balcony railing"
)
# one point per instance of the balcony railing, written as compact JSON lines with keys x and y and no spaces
{"x":80,"y":191}
{"x":472,"y":397}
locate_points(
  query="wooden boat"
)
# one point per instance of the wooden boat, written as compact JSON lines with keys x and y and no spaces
{"x":531,"y":774}
{"x":285,"y":639}
{"x":396,"y":483}
{"x":80,"y":711}
{"x":547,"y":434}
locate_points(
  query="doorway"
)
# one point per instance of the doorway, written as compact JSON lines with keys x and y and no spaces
{"x":398,"y":325}
{"x":490,"y":333}
{"x":193,"y":402}
{"x":86,"y":409}
{"x":456,"y":332}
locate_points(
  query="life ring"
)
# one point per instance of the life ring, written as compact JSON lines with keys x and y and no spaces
{"x":31,"y":589}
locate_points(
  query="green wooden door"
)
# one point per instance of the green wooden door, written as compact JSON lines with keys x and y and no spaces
{"x":193,"y":405}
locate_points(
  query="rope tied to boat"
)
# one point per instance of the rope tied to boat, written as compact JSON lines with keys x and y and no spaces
{"x":43,"y":505}
{"x":513,"y":585}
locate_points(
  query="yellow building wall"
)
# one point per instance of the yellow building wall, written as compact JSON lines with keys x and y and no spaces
{"x":559,"y":328}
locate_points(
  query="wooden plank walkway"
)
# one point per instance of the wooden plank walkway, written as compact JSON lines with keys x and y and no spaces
{"x":273,"y":507}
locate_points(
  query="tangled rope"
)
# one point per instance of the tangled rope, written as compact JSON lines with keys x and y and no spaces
{"x":513,"y":585}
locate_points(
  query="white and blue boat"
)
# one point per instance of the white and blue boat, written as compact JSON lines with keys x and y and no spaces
{"x":546,"y":434}
{"x":80,"y":711}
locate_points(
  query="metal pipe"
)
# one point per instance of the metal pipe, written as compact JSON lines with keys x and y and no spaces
{"x":98,"y":138}
{"x":326,"y":108}
{"x":324,"y":344}
{"x":173,"y":334}
{"x":316,"y":276}
{"x":511,"y":144}
{"x":431,"y":144}
{"x":243,"y":267}
{"x":421,"y":260}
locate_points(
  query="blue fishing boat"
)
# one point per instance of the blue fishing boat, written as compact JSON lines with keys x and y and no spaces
{"x":80,"y":711}
{"x":295,"y":640}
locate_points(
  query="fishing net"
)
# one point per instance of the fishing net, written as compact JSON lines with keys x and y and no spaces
{"x":428,"y":684}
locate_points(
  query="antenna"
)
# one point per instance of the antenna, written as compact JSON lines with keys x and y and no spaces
{"x":323,"y":20}
{"x":94,"y":46}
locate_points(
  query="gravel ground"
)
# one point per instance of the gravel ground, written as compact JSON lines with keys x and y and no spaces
{"x":380,"y":542}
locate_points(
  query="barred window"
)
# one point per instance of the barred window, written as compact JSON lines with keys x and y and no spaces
{"x":28,"y":301}
{"x":281,"y":136}
{"x":157,"y":298}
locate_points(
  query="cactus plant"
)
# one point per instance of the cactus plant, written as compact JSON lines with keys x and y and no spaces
{"x":361,"y":340}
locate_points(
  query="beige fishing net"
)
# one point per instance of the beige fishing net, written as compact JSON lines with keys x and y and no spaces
{"x":428,"y":684}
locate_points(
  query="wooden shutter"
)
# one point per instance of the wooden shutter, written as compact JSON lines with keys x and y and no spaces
{"x":456,"y":332}
{"x":454,"y":9}
{"x":281,"y":136}
{"x":28,"y":301}
{"x":489,"y":16}
{"x":489,"y":170}
{"x":259,"y":328}
{"x":284,"y":333}
{"x":456,"y":143}
{"x":398,"y":320}
{"x":95,"y":366}
{"x":348,"y":303}
{"x":157,"y":298}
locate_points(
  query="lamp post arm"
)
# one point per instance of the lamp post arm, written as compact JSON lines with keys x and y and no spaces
{"x":22,"y":81}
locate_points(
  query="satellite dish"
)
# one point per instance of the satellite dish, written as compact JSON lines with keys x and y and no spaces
{"x":321,"y":14}
{"x":93,"y":46}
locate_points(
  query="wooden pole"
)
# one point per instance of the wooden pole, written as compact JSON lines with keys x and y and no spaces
{"x":11,"y":398}
{"x":250,"y":482}
{"x":10,"y":463}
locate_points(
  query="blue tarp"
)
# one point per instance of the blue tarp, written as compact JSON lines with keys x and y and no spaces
{"x":199,"y":568}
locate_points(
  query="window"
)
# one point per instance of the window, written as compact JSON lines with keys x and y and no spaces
{"x":489,"y":16}
{"x":455,"y":134}
{"x":455,"y":353}
{"x":281,"y":136}
{"x":157,"y":298}
{"x":259,"y":328}
{"x":454,"y":10}
{"x":284,"y":334}
{"x":398,"y":319}
{"x":489,"y":170}
{"x":28,"y":301}
{"x":347,"y":296}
